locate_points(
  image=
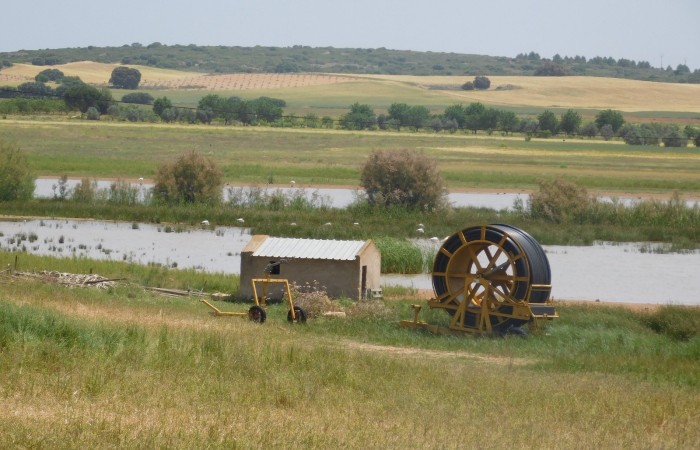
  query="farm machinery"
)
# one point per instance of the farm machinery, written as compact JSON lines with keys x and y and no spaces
{"x":491,"y":279}
{"x":257,"y":312}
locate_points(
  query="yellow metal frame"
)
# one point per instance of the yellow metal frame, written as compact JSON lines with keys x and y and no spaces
{"x":520,"y":311}
{"x":259,"y":301}
{"x":219,"y":312}
{"x":263,"y":300}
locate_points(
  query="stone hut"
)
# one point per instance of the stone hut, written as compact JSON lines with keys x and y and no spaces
{"x":349,"y":269}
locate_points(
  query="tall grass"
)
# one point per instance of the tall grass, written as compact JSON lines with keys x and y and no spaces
{"x":97,"y":369}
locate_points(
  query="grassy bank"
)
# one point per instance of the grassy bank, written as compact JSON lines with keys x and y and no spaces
{"x":125,"y":368}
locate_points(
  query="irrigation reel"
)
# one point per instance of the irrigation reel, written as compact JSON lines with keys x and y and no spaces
{"x":492,"y":279}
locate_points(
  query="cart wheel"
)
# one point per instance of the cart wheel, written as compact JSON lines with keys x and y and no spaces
{"x":257,"y":314}
{"x":299,"y":314}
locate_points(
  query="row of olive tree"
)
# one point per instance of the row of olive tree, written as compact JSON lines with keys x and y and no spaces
{"x":475,"y":116}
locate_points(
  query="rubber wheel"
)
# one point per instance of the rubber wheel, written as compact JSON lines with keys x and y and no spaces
{"x":299,"y":313}
{"x":257,"y":314}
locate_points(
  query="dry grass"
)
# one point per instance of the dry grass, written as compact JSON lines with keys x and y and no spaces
{"x":99,"y":73}
{"x":568,"y":92}
{"x":539,"y":92}
{"x":198,"y":381}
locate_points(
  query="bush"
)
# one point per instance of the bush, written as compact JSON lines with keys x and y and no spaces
{"x":141,"y":98}
{"x":16,"y":177}
{"x":675,"y":139}
{"x":404,"y":178}
{"x":677,"y":322}
{"x":559,"y":201}
{"x":193,"y":178}
{"x":482,"y":83}
{"x":85,"y":191}
{"x":92,"y":113}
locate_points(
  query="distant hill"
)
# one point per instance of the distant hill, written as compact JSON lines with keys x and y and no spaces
{"x":223,"y":59}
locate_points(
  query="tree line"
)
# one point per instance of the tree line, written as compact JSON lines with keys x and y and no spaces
{"x":72,"y":94}
{"x":297,"y":58}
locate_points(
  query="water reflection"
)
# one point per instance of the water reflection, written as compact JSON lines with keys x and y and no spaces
{"x":635,"y":273}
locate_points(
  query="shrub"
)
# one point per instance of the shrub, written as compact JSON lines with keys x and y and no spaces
{"x":403,"y":177}
{"x":675,"y":139}
{"x":482,"y":83}
{"x":192,"y":178}
{"x":92,"y":113}
{"x":16,"y":177}
{"x":559,"y":201}
{"x":678,"y":322}
{"x":141,"y":98}
{"x":85,"y":191}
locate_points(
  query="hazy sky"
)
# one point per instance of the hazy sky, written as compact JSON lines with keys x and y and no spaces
{"x":660,"y":32}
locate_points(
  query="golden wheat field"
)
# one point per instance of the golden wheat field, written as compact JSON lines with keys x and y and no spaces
{"x":516,"y":91}
{"x":154,"y":78}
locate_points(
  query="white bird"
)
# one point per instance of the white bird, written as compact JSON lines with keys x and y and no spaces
{"x":240,"y":220}
{"x":327,"y":224}
{"x":205,"y":222}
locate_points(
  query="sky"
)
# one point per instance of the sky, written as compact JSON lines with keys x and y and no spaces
{"x":662,"y":33}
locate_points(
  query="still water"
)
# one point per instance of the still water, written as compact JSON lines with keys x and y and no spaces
{"x":333,"y":197}
{"x":342,"y":197}
{"x":634,"y":273}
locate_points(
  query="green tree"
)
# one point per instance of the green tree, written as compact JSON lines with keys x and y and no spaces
{"x":83,"y":96}
{"x":675,"y":138}
{"x":548,"y":121}
{"x":403,"y":178}
{"x":267,"y":109}
{"x":609,"y":117}
{"x":47,"y":75}
{"x":570,"y":122}
{"x":192,"y":178}
{"x":508,"y":121}
{"x":360,"y":117}
{"x":125,"y":78}
{"x":456,"y":113}
{"x":16,"y":177}
{"x":399,"y":112}
{"x":481,"y":83}
{"x":161,"y":104}
{"x":418,"y":116}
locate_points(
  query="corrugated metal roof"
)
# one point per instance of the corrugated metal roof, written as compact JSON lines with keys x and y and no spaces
{"x":309,"y":249}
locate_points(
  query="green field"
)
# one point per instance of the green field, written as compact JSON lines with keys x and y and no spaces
{"x":259,"y":155}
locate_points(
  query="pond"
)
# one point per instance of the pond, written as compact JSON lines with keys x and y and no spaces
{"x":342,"y":197}
{"x":633,"y":273}
{"x":333,"y":197}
